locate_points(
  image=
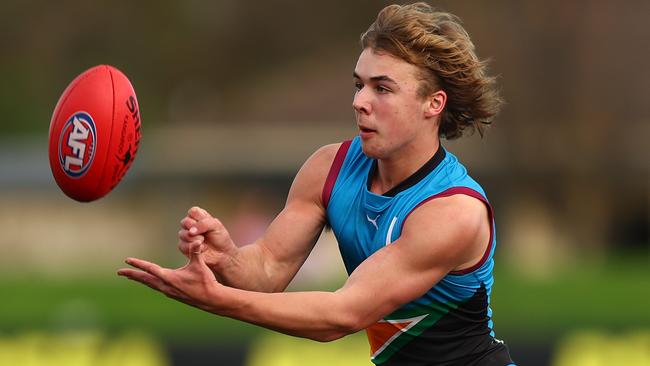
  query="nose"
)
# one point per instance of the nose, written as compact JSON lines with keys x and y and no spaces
{"x":361,"y":102}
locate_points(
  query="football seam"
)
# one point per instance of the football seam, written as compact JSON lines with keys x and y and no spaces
{"x":110,"y":139}
{"x":67,"y":95}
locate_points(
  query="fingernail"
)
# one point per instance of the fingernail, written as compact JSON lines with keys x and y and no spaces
{"x":193,"y":230}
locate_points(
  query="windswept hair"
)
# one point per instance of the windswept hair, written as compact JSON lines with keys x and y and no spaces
{"x":438,"y":44}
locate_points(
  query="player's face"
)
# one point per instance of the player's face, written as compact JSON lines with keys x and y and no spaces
{"x":389,"y":113}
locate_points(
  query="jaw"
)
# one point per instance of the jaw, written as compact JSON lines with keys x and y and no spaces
{"x":373,"y":147}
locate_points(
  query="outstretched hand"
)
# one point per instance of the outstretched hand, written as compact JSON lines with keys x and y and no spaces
{"x":193,"y":284}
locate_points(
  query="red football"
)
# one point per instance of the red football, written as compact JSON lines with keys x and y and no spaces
{"x":94,"y":133}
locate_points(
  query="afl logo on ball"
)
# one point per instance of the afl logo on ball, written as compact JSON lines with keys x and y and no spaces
{"x":77,"y":144}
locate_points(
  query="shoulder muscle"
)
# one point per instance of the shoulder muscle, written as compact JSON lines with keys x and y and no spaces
{"x":308,"y":183}
{"x":457,"y":226}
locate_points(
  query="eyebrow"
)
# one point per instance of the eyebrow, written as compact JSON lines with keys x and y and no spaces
{"x":376,"y":78}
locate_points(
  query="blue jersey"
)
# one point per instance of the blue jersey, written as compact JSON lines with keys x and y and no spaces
{"x":450,"y":324}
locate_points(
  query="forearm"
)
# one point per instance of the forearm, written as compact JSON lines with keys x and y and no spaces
{"x":270,"y":263}
{"x":246,"y":268}
{"x":363,"y":300}
{"x":321,"y":316}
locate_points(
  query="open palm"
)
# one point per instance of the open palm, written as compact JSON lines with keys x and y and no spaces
{"x":193,"y":284}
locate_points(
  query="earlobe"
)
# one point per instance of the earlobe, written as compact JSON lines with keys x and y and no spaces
{"x":436,"y":103}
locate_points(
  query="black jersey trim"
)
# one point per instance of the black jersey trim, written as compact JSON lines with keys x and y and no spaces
{"x":461,"y":337}
{"x":412,"y":180}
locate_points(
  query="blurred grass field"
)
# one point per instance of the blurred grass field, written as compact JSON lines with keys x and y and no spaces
{"x":612,"y":296}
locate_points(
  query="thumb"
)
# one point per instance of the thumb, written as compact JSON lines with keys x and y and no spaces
{"x":196,"y":249}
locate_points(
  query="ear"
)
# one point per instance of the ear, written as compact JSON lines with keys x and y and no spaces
{"x":435,"y":103}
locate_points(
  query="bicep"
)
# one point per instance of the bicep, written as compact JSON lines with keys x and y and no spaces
{"x":388,"y":279}
{"x":429,"y":248}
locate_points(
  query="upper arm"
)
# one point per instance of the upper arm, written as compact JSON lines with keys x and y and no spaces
{"x":292,"y":234}
{"x":440,"y":236}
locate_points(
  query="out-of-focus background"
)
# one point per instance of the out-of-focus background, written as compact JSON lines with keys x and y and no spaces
{"x":236,"y":95}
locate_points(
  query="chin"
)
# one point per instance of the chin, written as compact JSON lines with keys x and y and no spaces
{"x":370,"y":151}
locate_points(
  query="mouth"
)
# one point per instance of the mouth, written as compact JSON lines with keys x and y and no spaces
{"x":366,"y":133}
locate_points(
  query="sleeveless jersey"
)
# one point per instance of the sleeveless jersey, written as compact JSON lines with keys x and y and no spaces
{"x":450,"y":324}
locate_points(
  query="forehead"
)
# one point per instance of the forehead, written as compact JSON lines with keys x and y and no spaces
{"x":372,"y":63}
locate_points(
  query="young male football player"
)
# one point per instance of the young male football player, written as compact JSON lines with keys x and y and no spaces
{"x":415,"y":231}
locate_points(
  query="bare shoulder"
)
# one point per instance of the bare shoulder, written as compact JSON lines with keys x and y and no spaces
{"x":456,"y":227}
{"x":458,"y":208}
{"x":324,"y":156}
{"x":309,"y":181}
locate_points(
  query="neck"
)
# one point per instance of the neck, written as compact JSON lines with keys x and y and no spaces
{"x":394,"y":170}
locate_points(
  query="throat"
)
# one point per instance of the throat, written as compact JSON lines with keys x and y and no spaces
{"x":387,"y":185}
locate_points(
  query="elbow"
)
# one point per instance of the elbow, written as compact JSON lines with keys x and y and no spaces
{"x":341,"y":327}
{"x":329,"y":337}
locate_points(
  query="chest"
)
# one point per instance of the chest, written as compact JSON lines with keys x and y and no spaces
{"x":364,"y":223}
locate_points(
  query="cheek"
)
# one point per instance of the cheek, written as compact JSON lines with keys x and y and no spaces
{"x":391,"y":110}
{"x":400,"y":115}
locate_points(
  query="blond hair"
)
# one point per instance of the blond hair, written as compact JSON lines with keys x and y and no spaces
{"x":438,"y":44}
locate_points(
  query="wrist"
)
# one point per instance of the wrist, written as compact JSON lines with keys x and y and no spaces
{"x":221,"y":300}
{"x":223,"y":261}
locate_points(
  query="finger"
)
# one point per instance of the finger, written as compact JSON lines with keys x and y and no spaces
{"x":142,"y":277}
{"x":185,"y":235}
{"x":148,"y":267}
{"x":197,"y":213}
{"x":151,"y":281}
{"x":184,"y":247}
{"x":207,"y":225}
{"x":187,"y":222}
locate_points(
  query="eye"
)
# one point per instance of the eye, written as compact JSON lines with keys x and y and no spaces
{"x":358,"y":86}
{"x":382,"y":89}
